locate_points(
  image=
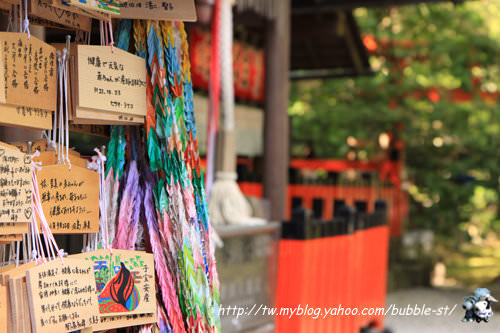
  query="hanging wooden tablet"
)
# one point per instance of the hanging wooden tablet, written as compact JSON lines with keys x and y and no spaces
{"x":44,"y":10}
{"x":108,"y":86}
{"x":40,"y":145}
{"x":22,"y":116}
{"x":113,"y":322}
{"x":4,"y":311}
{"x":6,"y":268}
{"x":17,"y":286}
{"x":12,"y":228}
{"x":86,"y":117}
{"x":20,"y":270}
{"x":28,"y":71}
{"x":173,"y":10}
{"x":15,"y":185}
{"x":96,"y":130}
{"x":111,"y":7}
{"x":5,"y":239}
{"x":110,"y":81}
{"x":8,"y":308}
{"x":70,"y":198}
{"x":62,"y":296}
{"x":5,"y":276}
{"x":26,"y":306}
{"x":5,"y":6}
{"x":85,"y":12}
{"x":50,"y":158}
{"x":125,"y":281}
{"x":11,"y":2}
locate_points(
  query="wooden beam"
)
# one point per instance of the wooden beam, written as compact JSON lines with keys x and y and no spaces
{"x":305,"y":7}
{"x":351,"y":44}
{"x":276,"y":130}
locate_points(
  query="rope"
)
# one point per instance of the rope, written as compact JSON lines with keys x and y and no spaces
{"x":49,"y":239}
{"x":226,"y":63}
{"x":20,"y":16}
{"x":26,"y":20}
{"x":112,"y":43}
{"x":101,"y":160}
{"x":10,"y":26}
{"x":214,"y":90}
{"x":66,"y":114}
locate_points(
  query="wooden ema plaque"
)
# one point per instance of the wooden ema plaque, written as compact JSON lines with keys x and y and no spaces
{"x":125,"y":281}
{"x":22,"y":116}
{"x":70,"y":198}
{"x":15,"y":185}
{"x":28,"y":68}
{"x":43,"y":9}
{"x":5,"y":276}
{"x":173,"y":10}
{"x":90,"y":13}
{"x":50,"y":157}
{"x":6,"y":239}
{"x":96,"y":130}
{"x":40,"y":145}
{"x":62,"y":296}
{"x":20,"y":314}
{"x":108,"y":86}
{"x":4,"y":309}
{"x":111,"y":7}
{"x":112,"y":322}
{"x":13,"y":228}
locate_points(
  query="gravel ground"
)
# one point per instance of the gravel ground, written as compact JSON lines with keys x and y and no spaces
{"x":435,"y":299}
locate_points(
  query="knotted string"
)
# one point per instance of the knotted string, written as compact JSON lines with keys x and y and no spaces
{"x":10,"y":26}
{"x":62,"y":71}
{"x":66,"y":115}
{"x":106,"y":30}
{"x":49,"y":239}
{"x":26,"y":20}
{"x":101,"y":32}
{"x":112,"y":43}
{"x":20,"y":16}
{"x":15,"y":27}
{"x":101,"y":160}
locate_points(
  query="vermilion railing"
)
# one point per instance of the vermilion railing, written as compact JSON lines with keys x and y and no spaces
{"x":323,"y":197}
{"x":351,"y":195}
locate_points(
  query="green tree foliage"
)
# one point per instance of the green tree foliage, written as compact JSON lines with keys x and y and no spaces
{"x":426,"y":54}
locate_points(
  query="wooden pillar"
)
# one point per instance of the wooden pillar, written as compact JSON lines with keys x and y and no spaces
{"x":276,"y":137}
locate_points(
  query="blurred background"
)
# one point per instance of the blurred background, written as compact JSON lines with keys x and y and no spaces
{"x":354,"y":160}
{"x":366,"y":143}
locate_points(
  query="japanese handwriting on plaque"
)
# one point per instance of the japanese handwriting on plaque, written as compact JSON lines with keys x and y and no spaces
{"x":112,"y":322}
{"x":70,"y":198}
{"x":110,"y":81}
{"x":178,"y":10}
{"x":22,"y":116}
{"x":15,"y":185}
{"x":28,"y":70}
{"x":62,"y":296}
{"x":125,"y":281}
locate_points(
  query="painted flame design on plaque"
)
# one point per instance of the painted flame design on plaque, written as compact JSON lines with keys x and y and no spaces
{"x":120,"y":293}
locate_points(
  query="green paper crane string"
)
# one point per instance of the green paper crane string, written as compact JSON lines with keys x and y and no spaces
{"x":170,"y":193}
{"x":115,"y":163}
